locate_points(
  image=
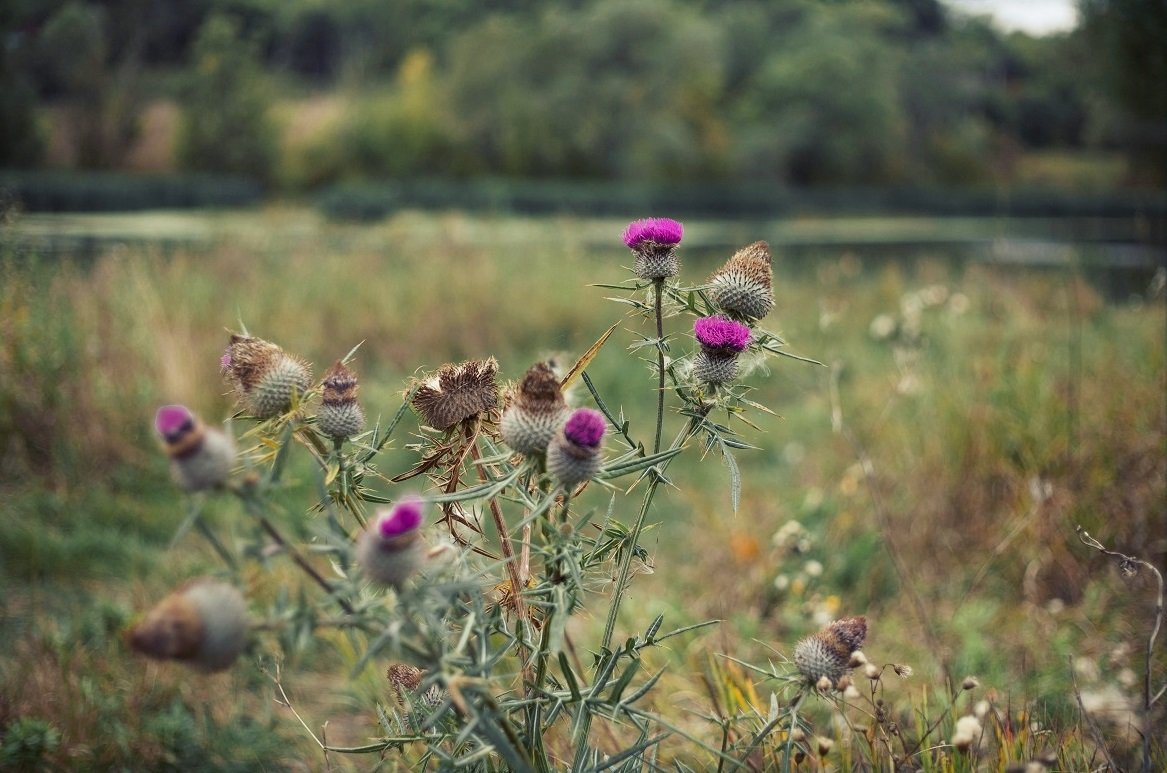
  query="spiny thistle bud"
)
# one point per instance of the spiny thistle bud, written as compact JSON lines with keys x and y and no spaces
{"x":457,"y":393}
{"x":340,"y":415}
{"x":203,"y":623}
{"x":827,"y":653}
{"x":654,"y":240}
{"x":573,"y":455}
{"x":722,"y":340}
{"x":201,"y":457}
{"x":266,"y":377}
{"x":536,"y":411}
{"x":390,"y":550}
{"x":744,"y":285}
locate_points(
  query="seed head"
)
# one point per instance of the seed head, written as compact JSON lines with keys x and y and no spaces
{"x":536,"y":411}
{"x":827,"y":653}
{"x":265,"y":377}
{"x":340,"y":415}
{"x":203,"y":623}
{"x":457,"y":393}
{"x":654,"y":240}
{"x":573,"y":456}
{"x":967,"y":733}
{"x":201,"y":457}
{"x":744,"y":285}
{"x":389,"y":551}
{"x":970,"y":683}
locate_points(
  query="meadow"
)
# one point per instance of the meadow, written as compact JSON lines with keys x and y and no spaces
{"x":928,"y":472}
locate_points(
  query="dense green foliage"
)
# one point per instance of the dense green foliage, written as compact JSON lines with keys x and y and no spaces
{"x":796,"y":92}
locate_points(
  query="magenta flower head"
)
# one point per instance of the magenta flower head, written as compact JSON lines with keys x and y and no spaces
{"x":722,"y":333}
{"x":585,"y":428}
{"x":722,"y":340}
{"x":389,"y":551}
{"x":405,"y":517}
{"x":573,"y":456}
{"x":655,"y":230}
{"x":654,"y":240}
{"x":201,"y":457}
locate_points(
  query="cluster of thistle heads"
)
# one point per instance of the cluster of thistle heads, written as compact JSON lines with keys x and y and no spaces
{"x":741,"y":290}
{"x":204,"y":622}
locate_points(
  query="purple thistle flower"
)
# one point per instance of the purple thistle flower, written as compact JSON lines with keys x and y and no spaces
{"x":403,"y":518}
{"x":585,"y":428}
{"x":722,"y":333}
{"x":658,"y":230}
{"x":171,"y":419}
{"x":225,"y":361}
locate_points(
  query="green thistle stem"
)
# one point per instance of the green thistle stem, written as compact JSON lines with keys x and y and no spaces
{"x":657,"y":287}
{"x":790,"y":732}
{"x":655,"y":477}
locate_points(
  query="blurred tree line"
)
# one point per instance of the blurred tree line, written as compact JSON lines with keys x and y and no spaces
{"x":796,"y":92}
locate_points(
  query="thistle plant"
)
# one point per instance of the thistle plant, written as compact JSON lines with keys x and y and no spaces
{"x":468,"y":623}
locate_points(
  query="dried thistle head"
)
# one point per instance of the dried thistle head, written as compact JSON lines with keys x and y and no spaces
{"x":744,"y":285}
{"x":827,"y":653}
{"x":456,"y":393}
{"x":266,"y":378}
{"x":535,"y":412}
{"x":340,"y":415}
{"x":203,"y":623}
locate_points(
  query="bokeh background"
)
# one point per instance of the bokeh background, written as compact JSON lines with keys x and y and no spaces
{"x":967,"y":213}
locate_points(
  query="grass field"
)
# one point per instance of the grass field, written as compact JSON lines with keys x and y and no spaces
{"x":929,"y":474}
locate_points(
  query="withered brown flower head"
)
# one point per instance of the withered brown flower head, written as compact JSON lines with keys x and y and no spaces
{"x":340,"y":384}
{"x":539,"y":390}
{"x":744,"y":285}
{"x":457,"y":392}
{"x":404,"y":676}
{"x":266,"y":378}
{"x":827,"y":653}
{"x":340,"y":415}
